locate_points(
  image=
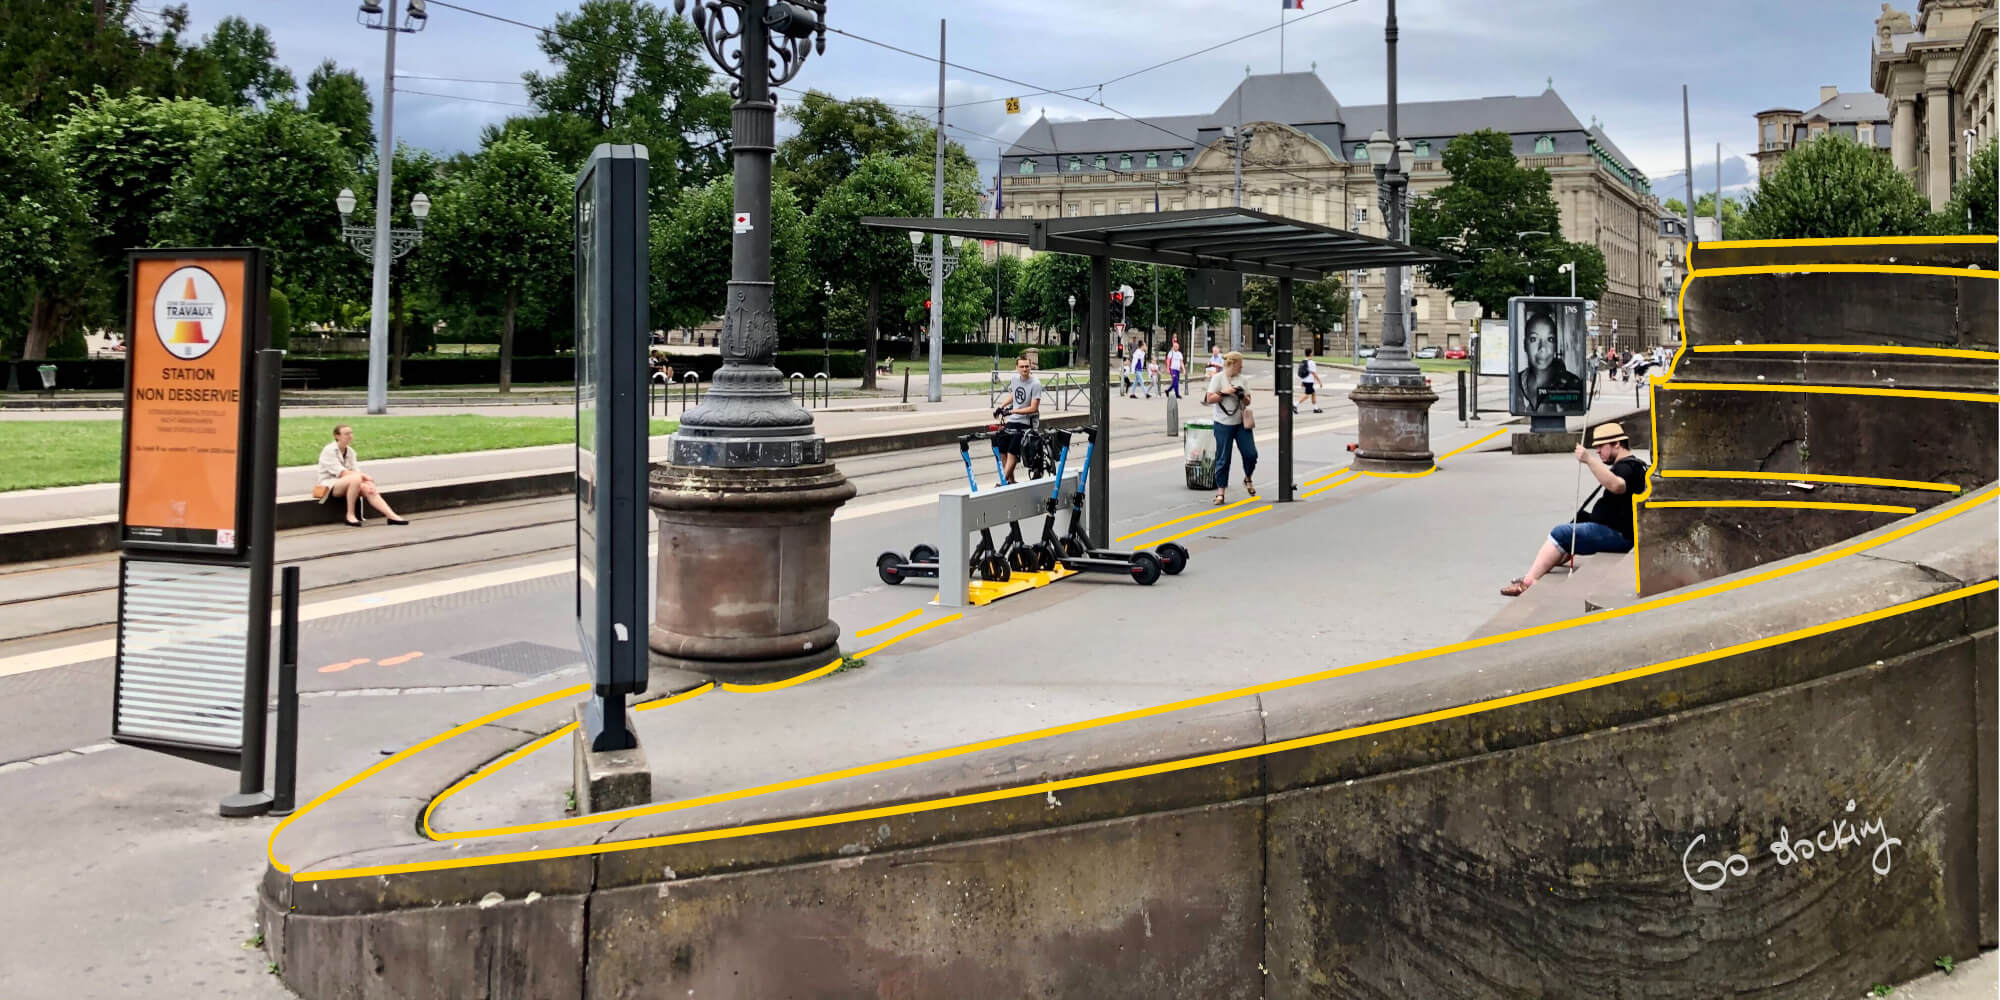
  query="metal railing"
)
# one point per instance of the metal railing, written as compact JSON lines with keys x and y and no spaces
{"x":660,"y":395}
{"x":810,"y":392}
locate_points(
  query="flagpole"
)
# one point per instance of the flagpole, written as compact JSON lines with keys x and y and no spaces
{"x":1281,"y":38}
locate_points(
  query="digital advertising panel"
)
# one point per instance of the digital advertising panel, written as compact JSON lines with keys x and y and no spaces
{"x":1547,"y":358}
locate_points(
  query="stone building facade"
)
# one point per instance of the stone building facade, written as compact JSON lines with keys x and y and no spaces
{"x":1936,"y":73}
{"x":1306,"y":158}
{"x":1862,"y":116}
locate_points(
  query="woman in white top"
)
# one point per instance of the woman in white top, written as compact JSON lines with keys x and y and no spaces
{"x":1232,"y":404}
{"x":340,"y":476}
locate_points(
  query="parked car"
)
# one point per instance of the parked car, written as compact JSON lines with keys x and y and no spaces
{"x":1367,"y":352}
{"x":1456,"y":353}
{"x":1429,"y":352}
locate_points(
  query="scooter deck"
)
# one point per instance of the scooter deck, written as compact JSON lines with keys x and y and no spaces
{"x":983,"y":592}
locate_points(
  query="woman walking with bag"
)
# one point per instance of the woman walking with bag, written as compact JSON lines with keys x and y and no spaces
{"x":1233,"y":423}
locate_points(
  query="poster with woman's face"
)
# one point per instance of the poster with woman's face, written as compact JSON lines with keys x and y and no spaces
{"x":1547,"y":365}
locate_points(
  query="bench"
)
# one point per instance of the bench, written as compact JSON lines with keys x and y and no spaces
{"x":886,"y":368}
{"x":301,"y":378}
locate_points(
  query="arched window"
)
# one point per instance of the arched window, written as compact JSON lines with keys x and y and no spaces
{"x":1544,"y":144}
{"x":1027,"y":166}
{"x":1125,"y":161}
{"x":1360,"y":151}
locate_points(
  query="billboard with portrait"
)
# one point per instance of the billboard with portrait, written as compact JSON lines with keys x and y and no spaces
{"x":1548,"y":357}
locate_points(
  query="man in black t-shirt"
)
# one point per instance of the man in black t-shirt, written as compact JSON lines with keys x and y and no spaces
{"x":1606,"y":527}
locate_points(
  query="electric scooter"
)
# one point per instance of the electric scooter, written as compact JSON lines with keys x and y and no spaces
{"x":1015,"y":550}
{"x":1173,"y":556}
{"x":1074,"y":548}
{"x":923,"y":561}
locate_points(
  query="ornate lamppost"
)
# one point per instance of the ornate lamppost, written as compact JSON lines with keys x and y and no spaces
{"x":1393,"y":402}
{"x":924,"y":257}
{"x":746,"y":499}
{"x":364,"y":240}
{"x":381,"y":17}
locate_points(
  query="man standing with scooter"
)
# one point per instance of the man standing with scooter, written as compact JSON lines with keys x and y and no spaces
{"x":1024,"y":403}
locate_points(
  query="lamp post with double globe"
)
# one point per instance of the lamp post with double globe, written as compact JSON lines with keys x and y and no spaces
{"x":365,"y":240}
{"x":381,"y":16}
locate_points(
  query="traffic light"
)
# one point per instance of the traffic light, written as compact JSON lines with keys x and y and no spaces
{"x":927,"y":305}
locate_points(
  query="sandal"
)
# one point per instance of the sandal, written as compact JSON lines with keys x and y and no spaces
{"x":1249,"y":488}
{"x":1515,"y":588}
{"x":1221,"y":499}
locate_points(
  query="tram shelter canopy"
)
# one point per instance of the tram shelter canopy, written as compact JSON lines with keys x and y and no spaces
{"x":1218,"y":239}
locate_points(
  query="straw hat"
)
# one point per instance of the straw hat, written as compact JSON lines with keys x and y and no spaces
{"x":1607,"y":434}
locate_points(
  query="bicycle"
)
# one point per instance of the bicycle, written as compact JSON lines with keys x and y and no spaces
{"x":1037,"y":453}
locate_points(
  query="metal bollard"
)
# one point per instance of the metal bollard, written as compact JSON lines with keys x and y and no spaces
{"x":906,"y":383}
{"x":1461,"y":396}
{"x":1173,"y":417}
{"x":284,"y":777}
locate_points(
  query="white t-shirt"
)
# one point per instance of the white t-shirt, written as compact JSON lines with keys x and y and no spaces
{"x":1215,"y":361}
{"x":1233,"y":414}
{"x":1138,"y":359}
{"x":1312,"y":371}
{"x":1174,"y":360}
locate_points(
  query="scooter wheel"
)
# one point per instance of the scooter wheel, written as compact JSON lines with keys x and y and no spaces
{"x":994,"y":569}
{"x":1073,"y":546}
{"x":1046,"y":557}
{"x":889,"y":566}
{"x":1173,"y":557}
{"x":1022,"y":560}
{"x":1145,"y":568}
{"x":923,"y":554}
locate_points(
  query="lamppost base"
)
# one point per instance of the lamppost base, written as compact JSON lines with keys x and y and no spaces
{"x":745,"y":556}
{"x":1394,"y":427}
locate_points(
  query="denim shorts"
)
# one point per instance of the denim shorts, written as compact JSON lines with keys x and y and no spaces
{"x":1590,"y":539}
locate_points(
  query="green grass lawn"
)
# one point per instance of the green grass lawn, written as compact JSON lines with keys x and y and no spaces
{"x":39,"y":453}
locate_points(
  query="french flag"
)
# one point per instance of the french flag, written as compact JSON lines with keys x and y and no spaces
{"x":1295,"y":4}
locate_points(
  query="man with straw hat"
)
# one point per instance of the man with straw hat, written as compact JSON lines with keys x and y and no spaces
{"x":1606,"y":527}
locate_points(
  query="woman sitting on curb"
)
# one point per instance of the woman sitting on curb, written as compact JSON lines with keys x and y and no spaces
{"x":340,"y":476}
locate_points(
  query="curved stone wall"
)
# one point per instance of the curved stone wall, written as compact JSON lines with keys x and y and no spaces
{"x":1778,"y":782}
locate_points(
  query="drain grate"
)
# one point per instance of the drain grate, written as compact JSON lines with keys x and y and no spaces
{"x":523,"y":658}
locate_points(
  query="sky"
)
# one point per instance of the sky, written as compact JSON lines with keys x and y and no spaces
{"x":1622,"y":61}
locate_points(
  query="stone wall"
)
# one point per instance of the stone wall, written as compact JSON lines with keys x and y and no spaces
{"x":1757,"y":431}
{"x":1606,"y":836}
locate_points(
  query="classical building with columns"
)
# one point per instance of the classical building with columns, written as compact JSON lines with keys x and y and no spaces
{"x":1307,"y":158}
{"x":1936,"y":73}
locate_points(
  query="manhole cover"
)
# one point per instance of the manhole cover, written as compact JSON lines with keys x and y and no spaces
{"x":522,"y":657}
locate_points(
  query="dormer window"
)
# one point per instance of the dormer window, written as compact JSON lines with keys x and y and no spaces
{"x":1361,"y":151}
{"x":1180,"y":159}
{"x":1545,"y":144}
{"x":1423,"y":147}
{"x":1027,"y":166}
{"x":1152,"y":161}
{"x":1125,"y":162}
{"x":1075,"y":164}
{"x":1099,"y":163}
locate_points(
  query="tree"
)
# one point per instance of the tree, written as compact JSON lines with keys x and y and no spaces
{"x":1046,"y":285}
{"x":269,"y":180}
{"x":125,"y":153}
{"x":44,"y":233}
{"x":693,"y":240}
{"x":627,"y":72}
{"x":850,"y":254}
{"x":338,"y":97}
{"x":415,"y":172}
{"x":1007,"y":272}
{"x":834,"y":136}
{"x":1704,"y":207}
{"x":51,"y":50}
{"x":1491,"y":215}
{"x":504,"y":231}
{"x":1835,"y":187}
{"x":1972,"y":207}
{"x":248,"y":63}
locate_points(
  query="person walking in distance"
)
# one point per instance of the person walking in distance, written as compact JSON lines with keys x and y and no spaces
{"x":1175,"y":361}
{"x":1024,"y":402}
{"x":1138,"y":368}
{"x":1606,"y":527}
{"x":1308,"y":384}
{"x":1233,"y":422}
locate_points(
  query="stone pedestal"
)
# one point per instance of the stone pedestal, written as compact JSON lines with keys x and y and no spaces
{"x":743,"y":567}
{"x":1394,"y":430}
{"x":610,"y":779}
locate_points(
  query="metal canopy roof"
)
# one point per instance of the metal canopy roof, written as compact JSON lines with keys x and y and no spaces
{"x":1230,"y":239}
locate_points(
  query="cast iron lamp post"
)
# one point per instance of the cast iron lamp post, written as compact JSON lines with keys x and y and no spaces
{"x":364,"y":239}
{"x":1393,"y":402}
{"x":746,"y":498}
{"x":924,"y":257}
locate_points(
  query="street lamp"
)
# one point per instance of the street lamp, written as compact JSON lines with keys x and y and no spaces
{"x":1391,"y":364}
{"x":1071,"y":332}
{"x":1569,"y":268}
{"x":826,"y":334}
{"x":364,"y":239}
{"x":923,"y":258}
{"x":380,"y":17}
{"x":745,"y":499}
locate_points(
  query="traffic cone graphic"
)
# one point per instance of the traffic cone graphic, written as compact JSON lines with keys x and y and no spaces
{"x":188,"y":331}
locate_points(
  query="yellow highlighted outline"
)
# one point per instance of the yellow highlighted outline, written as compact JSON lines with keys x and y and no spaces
{"x":1926,"y":352}
{"x":1345,"y":471}
{"x":1190,"y":517}
{"x":783,"y":684}
{"x":1947,"y":272}
{"x":1848,"y":241}
{"x":891,"y":623}
{"x":688,"y":695}
{"x":1799,"y":477}
{"x":1189,"y":763}
{"x":1827,"y":390}
{"x":1341,"y":482}
{"x":1787,"y":504}
{"x":506,"y":761}
{"x":1220,"y":521}
{"x":1662,"y":601}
